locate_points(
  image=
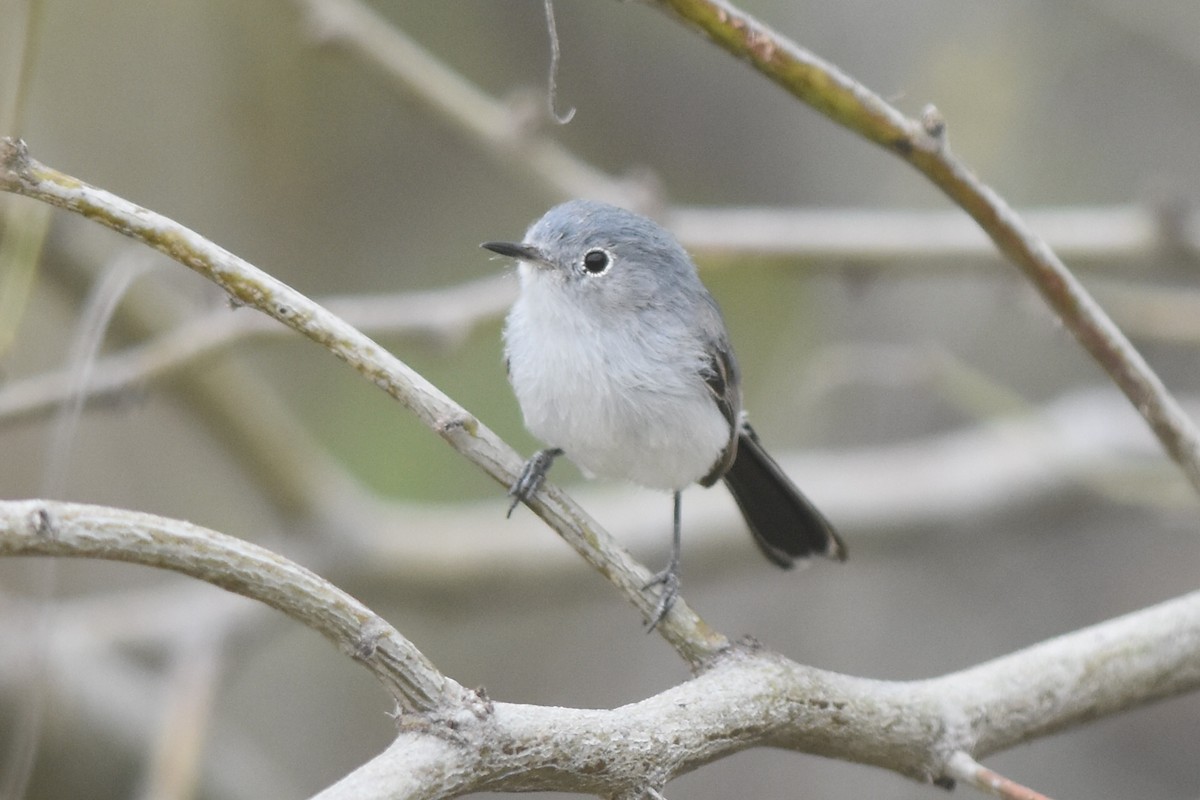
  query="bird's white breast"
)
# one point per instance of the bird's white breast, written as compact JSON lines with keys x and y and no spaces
{"x":622,"y":400}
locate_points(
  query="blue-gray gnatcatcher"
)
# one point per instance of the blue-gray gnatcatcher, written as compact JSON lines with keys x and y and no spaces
{"x":620,"y":360}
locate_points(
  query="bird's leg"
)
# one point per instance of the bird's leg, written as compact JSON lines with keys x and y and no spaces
{"x":669,"y":576}
{"x":532,"y":475}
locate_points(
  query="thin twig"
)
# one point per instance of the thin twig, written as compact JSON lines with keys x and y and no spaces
{"x":555,"y":56}
{"x":962,"y":767}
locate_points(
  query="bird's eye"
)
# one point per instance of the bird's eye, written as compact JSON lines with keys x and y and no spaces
{"x":596,"y":261}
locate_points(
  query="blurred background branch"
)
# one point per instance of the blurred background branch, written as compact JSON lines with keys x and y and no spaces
{"x":1121,"y":238}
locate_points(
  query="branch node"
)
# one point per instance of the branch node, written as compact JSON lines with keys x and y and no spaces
{"x":933,"y":123}
{"x":449,"y":426}
{"x":478,"y":703}
{"x":369,"y":636}
{"x":457,"y":722}
{"x":750,"y":644}
{"x":14,"y":154}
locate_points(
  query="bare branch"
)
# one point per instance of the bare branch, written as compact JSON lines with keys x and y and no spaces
{"x":923,"y":144}
{"x":246,"y":284}
{"x":750,"y":697}
{"x":36,"y":527}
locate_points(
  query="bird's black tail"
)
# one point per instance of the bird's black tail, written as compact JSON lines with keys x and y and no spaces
{"x":786,"y":526}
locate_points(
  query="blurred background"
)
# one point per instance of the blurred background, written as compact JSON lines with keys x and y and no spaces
{"x":992,"y":488}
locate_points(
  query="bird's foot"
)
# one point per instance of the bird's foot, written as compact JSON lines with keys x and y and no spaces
{"x":669,"y":580}
{"x":532,"y":476}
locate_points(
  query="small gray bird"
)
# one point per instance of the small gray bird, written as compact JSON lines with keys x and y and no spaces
{"x":620,"y":360}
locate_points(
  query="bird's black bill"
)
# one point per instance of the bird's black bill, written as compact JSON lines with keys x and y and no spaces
{"x":786,"y":526}
{"x":522,"y":252}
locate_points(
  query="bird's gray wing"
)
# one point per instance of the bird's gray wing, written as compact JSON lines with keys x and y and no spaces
{"x":721,"y":377}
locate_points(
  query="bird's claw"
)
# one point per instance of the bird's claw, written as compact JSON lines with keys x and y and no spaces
{"x":532,"y":476}
{"x":669,"y":580}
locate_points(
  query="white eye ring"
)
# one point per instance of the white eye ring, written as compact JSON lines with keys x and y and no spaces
{"x":597,"y":261}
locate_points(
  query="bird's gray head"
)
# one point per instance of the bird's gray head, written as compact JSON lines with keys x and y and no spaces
{"x":610,"y":256}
